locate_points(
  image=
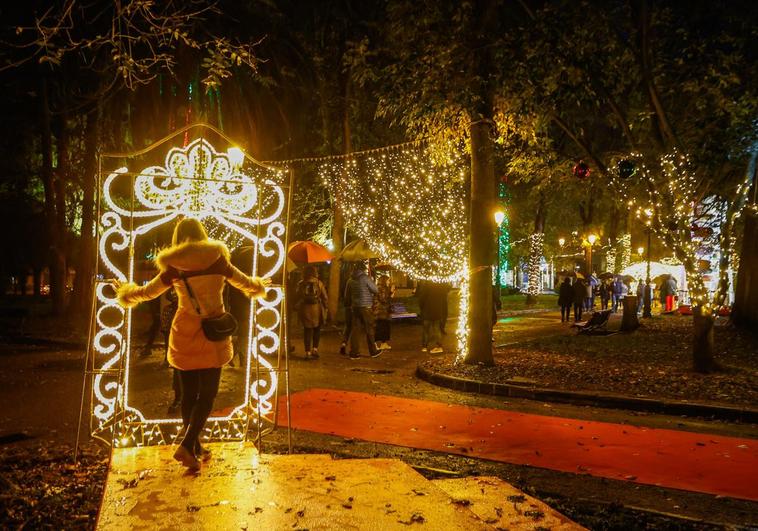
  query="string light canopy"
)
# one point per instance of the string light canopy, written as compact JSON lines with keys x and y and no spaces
{"x":242,"y":203}
{"x":409,"y":206}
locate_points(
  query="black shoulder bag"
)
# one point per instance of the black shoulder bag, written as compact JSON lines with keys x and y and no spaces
{"x":214,"y":328}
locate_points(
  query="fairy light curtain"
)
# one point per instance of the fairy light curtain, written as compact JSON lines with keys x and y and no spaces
{"x":410,"y":208}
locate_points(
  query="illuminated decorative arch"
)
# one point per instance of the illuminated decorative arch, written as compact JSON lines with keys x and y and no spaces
{"x":240,"y":201}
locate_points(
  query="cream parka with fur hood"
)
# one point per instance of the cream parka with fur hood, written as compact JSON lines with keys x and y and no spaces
{"x":189,"y":349}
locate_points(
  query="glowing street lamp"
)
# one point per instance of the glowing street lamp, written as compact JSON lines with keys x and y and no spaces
{"x":561,"y":242}
{"x":640,"y":250}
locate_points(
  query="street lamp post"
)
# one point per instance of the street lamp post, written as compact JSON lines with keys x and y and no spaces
{"x":499,"y":217}
{"x":646,"y":311}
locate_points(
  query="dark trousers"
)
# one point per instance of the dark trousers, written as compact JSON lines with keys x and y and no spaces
{"x":565,"y":312}
{"x":311,"y":335}
{"x":430,"y":333}
{"x":382,"y":330}
{"x":362,"y":318}
{"x":604,"y":303}
{"x":199,"y":388}
{"x":577,"y":312}
{"x":348,"y":324}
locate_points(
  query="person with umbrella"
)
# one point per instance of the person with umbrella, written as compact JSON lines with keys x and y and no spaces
{"x":617,"y":293}
{"x":641,"y":286}
{"x":605,"y":289}
{"x":311,"y":308}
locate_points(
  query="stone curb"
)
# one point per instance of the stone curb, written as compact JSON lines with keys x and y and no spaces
{"x":589,"y":398}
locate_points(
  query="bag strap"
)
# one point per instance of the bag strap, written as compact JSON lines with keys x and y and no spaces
{"x":195,"y":302}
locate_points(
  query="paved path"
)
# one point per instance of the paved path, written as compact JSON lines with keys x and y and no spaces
{"x":683,"y":460}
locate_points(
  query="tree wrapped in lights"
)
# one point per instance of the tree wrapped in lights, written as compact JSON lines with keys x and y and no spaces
{"x":536,"y":244}
{"x":668,"y":198}
{"x":410,"y":208}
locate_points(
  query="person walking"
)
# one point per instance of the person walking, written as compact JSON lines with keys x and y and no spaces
{"x":641,"y":287}
{"x":605,"y":294}
{"x":430,"y":300}
{"x":362,"y":293}
{"x":383,"y":312}
{"x":565,"y":299}
{"x":580,"y":293}
{"x":670,"y":286}
{"x":617,"y":289}
{"x":592,"y":283}
{"x":197,"y":268}
{"x":311,"y":309}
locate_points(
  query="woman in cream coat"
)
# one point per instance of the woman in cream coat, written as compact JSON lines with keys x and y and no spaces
{"x":199,"y":360}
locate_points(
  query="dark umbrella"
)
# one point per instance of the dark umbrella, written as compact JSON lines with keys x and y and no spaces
{"x":567,"y":273}
{"x":605,"y":276}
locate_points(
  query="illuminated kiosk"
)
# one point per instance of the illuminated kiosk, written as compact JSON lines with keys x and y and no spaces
{"x":241,"y":202}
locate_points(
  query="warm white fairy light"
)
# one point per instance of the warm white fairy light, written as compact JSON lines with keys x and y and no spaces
{"x":409,"y":207}
{"x":231,"y":199}
{"x":668,"y":209}
{"x":536,"y":242}
{"x":624,"y":250}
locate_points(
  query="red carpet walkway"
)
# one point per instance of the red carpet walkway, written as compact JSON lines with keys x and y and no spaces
{"x":683,"y":460}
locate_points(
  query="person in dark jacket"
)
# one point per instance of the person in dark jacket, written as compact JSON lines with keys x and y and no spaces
{"x":565,"y":299}
{"x":362,"y":291}
{"x":580,"y":293}
{"x":617,"y":292}
{"x":605,"y":294}
{"x":641,"y":288}
{"x":431,"y":296}
{"x":668,"y":293}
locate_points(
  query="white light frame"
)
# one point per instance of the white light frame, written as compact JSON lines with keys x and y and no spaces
{"x":195,"y":181}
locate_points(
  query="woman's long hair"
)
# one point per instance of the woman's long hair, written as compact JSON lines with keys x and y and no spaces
{"x":309,"y":272}
{"x":189,"y":230}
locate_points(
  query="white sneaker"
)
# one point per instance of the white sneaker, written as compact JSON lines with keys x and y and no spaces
{"x":385,"y":346}
{"x":424,"y":349}
{"x":436,"y":350}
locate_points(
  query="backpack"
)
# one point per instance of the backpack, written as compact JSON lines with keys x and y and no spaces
{"x":310,"y":293}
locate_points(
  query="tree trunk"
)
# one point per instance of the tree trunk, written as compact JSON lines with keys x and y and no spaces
{"x":86,"y":260}
{"x":338,"y":221}
{"x":745,"y":311}
{"x":56,"y":260}
{"x":481,"y":251}
{"x":59,"y":275}
{"x":702,"y":346}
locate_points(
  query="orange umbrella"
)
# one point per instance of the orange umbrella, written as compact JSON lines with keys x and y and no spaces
{"x":308,"y":252}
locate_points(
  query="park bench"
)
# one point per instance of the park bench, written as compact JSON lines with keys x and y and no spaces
{"x":595,"y":324}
